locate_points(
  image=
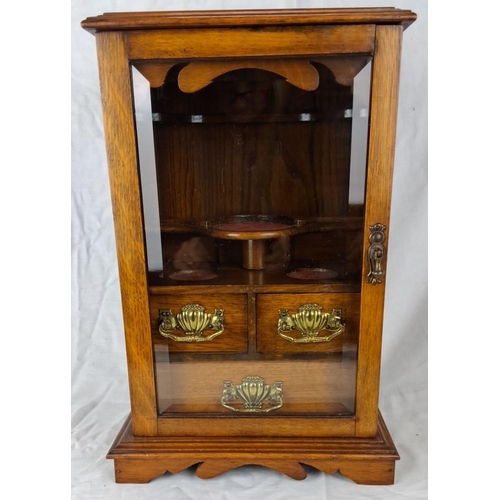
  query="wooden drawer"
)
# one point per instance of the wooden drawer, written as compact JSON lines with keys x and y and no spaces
{"x":232,"y":339}
{"x":269,"y":306}
{"x":316,"y":387}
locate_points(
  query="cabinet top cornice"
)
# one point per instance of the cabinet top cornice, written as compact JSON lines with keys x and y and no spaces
{"x":120,"y":21}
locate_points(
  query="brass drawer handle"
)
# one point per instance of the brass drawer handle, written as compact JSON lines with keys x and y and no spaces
{"x":254,"y":394}
{"x":309,"y":321}
{"x":193,"y":320}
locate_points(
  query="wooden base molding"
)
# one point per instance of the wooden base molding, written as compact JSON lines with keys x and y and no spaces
{"x":363,"y":460}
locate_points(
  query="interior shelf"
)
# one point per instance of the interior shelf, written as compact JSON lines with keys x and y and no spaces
{"x":227,"y":227}
{"x":233,"y":279}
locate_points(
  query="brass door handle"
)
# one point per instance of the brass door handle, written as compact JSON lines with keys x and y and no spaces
{"x":193,"y":321}
{"x":309,"y":321}
{"x":376,"y":253}
{"x":252,"y":395}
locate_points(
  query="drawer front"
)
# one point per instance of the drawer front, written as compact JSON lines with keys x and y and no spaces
{"x":199,"y":323}
{"x":325,"y":387}
{"x":308,"y":323}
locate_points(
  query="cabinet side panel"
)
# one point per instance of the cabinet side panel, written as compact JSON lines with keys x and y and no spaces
{"x":117,"y":105}
{"x":384,"y":104}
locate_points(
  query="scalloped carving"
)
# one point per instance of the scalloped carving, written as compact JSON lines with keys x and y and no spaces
{"x":375,"y":471}
{"x":198,"y":74}
{"x":344,"y":69}
{"x":213,"y":468}
{"x":298,"y":72}
{"x":143,"y":470}
{"x":155,"y":73}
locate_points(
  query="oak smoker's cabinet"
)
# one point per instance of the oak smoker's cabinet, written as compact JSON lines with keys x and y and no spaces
{"x":250,"y":159}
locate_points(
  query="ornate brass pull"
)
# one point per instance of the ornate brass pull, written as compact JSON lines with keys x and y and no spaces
{"x":309,"y":321}
{"x":254,"y":394}
{"x":193,"y":320}
{"x":376,"y":253}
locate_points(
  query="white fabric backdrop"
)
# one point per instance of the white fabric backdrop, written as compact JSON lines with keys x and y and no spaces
{"x":100,"y":400}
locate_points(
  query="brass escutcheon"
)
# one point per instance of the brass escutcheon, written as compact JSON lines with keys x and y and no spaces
{"x":254,"y":394}
{"x":309,"y":321}
{"x":193,"y":321}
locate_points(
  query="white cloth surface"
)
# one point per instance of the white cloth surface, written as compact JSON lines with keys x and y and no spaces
{"x":100,"y":400}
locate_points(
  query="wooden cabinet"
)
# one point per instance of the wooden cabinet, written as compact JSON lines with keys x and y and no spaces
{"x":250,"y":158}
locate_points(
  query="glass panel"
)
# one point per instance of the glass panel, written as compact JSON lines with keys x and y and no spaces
{"x":144,"y":130}
{"x":321,"y":387}
{"x":359,"y":141}
{"x":258,"y":180}
{"x":253,"y":182}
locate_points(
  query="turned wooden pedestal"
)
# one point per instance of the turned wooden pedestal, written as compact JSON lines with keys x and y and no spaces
{"x":363,"y":460}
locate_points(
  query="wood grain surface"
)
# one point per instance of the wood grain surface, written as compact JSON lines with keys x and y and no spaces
{"x":265,"y":42}
{"x":384,"y":105}
{"x":119,"y":132}
{"x":248,"y":17}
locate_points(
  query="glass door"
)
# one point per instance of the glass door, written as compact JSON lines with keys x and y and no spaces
{"x":253,"y":182}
